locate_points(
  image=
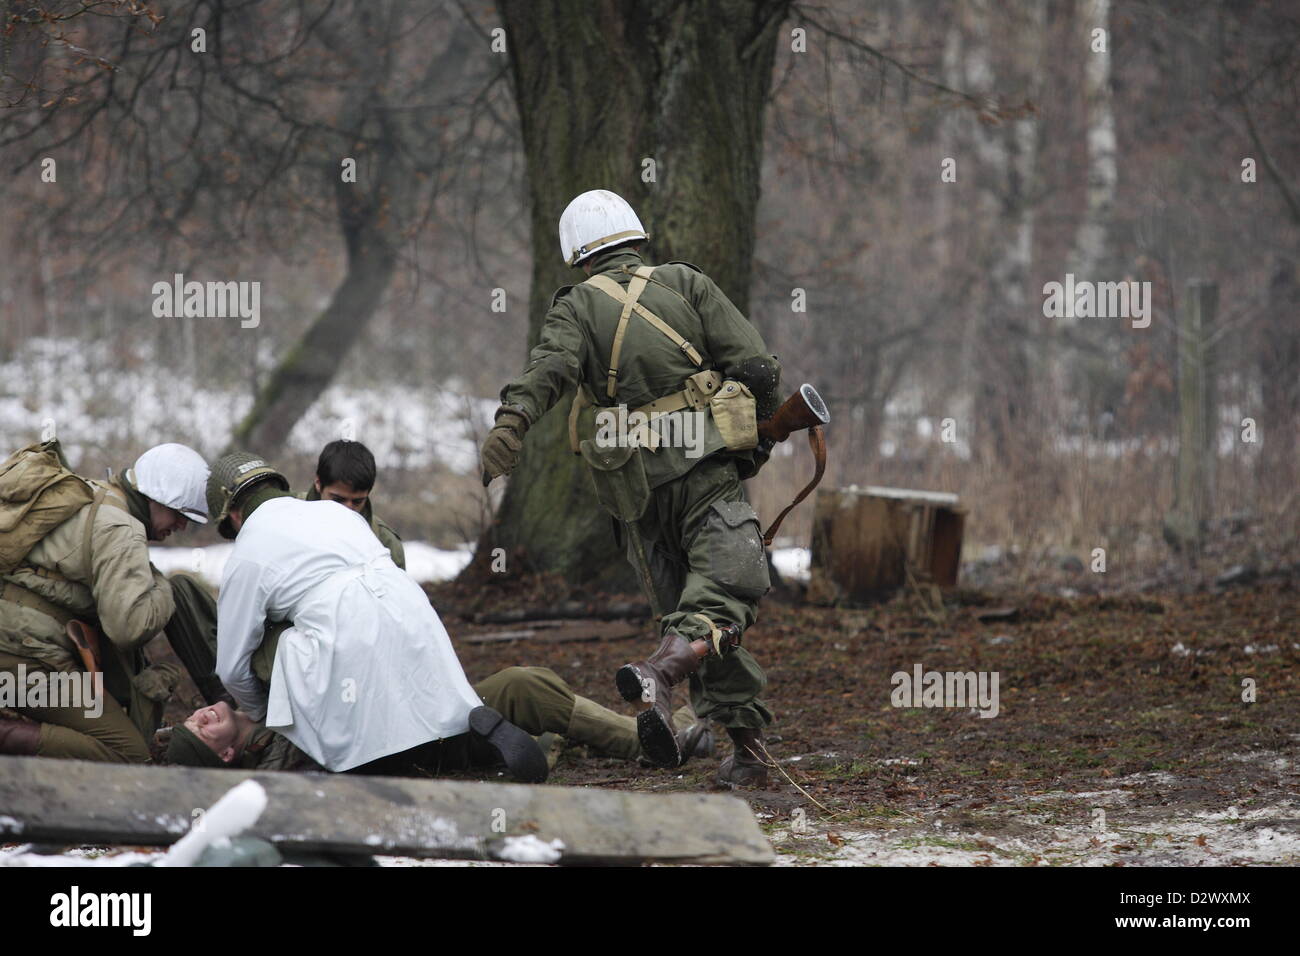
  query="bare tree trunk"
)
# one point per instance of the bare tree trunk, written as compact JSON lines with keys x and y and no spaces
{"x":311,"y":365}
{"x":366,"y":221}
{"x":1008,"y":153}
{"x":1090,"y":254}
{"x":610,"y":94}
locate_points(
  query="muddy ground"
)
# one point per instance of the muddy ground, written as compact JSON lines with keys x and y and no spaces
{"x":1122,"y":736}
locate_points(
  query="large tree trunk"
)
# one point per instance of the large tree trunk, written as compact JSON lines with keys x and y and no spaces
{"x":602,"y":87}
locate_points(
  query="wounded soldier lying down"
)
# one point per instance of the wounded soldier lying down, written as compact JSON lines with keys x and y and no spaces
{"x":534,"y":699}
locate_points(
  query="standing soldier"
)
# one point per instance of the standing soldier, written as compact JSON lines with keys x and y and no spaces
{"x":663,"y":340}
{"x":78,"y":594}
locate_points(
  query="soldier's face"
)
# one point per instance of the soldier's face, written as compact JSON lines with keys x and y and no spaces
{"x":164,"y":521}
{"x":344,"y":494}
{"x":215,"y":726}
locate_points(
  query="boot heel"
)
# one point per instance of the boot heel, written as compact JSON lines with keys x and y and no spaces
{"x":517,"y":750}
{"x":658,"y":739}
{"x":628,"y":682}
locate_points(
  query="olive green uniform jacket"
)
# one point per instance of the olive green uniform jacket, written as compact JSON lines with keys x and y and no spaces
{"x":577,"y":339}
{"x":94,"y":567}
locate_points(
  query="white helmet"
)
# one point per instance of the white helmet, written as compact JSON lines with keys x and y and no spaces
{"x":596,"y":220}
{"x":175,"y":476}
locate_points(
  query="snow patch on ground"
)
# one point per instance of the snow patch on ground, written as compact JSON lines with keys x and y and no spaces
{"x":792,"y":563}
{"x":22,"y":856}
{"x":1047,"y":829}
{"x":530,"y":849}
{"x":83,"y":389}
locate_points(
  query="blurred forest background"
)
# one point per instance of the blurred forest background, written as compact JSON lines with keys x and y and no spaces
{"x":923,"y":298}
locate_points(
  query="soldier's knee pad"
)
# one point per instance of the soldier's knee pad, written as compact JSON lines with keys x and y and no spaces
{"x":728,"y":549}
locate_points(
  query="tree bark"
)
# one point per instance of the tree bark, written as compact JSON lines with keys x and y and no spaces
{"x":601,"y":88}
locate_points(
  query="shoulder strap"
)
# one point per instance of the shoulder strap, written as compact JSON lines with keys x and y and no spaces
{"x":817,"y":442}
{"x":100,"y":493}
{"x":628,"y":299}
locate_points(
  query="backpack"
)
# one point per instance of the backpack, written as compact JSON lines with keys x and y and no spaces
{"x":38,"y":492}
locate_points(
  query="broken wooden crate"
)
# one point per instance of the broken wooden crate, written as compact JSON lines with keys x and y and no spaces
{"x":866,"y":541}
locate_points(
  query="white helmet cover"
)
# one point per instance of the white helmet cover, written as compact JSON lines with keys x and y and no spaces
{"x":596,"y":220}
{"x":175,"y":476}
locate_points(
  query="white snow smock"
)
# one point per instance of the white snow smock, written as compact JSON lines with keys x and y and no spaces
{"x":366,"y":669}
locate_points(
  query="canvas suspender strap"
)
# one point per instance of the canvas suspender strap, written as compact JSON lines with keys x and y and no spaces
{"x":628,"y":299}
{"x":101,"y":493}
{"x":634,"y":290}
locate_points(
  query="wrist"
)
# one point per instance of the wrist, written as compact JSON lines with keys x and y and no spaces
{"x":513,"y":416}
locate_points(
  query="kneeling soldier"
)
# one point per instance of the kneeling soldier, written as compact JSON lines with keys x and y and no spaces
{"x":84,"y":572}
{"x":364,"y":669}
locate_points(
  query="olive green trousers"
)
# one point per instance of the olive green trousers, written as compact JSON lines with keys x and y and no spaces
{"x":705,"y":550}
{"x":113,"y":722}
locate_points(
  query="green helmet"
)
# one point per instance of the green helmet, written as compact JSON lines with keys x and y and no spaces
{"x":231,"y":476}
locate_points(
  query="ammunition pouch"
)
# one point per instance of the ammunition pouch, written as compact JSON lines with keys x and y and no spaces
{"x":619,"y":476}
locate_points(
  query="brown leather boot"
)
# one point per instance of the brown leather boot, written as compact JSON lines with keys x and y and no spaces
{"x":693,"y":740}
{"x":653,"y":680}
{"x":19,"y":737}
{"x":747,"y":766}
{"x":695,"y":735}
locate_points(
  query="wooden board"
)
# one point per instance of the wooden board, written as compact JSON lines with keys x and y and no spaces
{"x":73,"y":801}
{"x":556,"y":632}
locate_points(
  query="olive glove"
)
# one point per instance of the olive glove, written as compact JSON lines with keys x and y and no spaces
{"x":500,"y":451}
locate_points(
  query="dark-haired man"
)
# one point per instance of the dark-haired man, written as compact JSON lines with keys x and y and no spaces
{"x":345,"y":473}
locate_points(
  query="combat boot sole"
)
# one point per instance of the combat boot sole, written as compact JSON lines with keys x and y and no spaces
{"x":628,"y":680}
{"x":659,"y":740}
{"x":516,"y":749}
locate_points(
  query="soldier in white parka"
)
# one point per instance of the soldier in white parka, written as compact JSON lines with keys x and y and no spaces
{"x":366,"y":669}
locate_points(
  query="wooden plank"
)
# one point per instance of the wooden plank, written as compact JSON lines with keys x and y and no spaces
{"x":579,"y":610}
{"x":73,"y":801}
{"x":556,"y":632}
